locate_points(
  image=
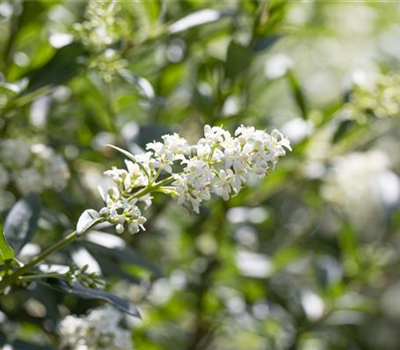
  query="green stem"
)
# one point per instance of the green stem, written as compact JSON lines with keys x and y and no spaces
{"x":150,"y":188}
{"x":155,"y":177}
{"x":8,"y":280}
{"x":112,"y":113}
{"x":43,"y":275}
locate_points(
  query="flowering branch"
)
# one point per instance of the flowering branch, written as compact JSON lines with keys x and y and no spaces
{"x":218,"y":164}
{"x":10,"y":279}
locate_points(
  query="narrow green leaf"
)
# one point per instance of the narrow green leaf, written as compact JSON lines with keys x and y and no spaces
{"x":131,"y":157}
{"x":6,"y":252}
{"x":343,"y":129}
{"x":298,"y":94}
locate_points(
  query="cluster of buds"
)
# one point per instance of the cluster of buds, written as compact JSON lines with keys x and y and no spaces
{"x":99,"y":33}
{"x":380,"y":99}
{"x":220,"y":164}
{"x":85,"y":278}
{"x":108,"y":64}
{"x":101,"y":28}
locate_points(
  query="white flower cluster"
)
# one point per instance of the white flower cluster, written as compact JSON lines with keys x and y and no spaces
{"x":218,"y":164}
{"x":101,"y":329}
{"x":32,"y":169}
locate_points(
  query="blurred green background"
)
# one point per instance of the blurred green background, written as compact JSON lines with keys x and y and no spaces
{"x":307,"y":259}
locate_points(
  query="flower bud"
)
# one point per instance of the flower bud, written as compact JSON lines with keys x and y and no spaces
{"x":119,"y":228}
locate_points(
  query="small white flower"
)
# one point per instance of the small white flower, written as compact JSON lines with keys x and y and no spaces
{"x":177,"y":145}
{"x":214,"y":135}
{"x":227,"y":183}
{"x":136,"y":176}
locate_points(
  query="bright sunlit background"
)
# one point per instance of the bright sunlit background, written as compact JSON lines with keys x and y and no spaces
{"x":306,"y":259}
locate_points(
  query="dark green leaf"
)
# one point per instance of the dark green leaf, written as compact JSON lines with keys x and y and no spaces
{"x":344,"y":127}
{"x":265,"y":42}
{"x":24,"y":345}
{"x":21,"y":222}
{"x":88,"y":293}
{"x":115,"y":270}
{"x":123,"y":254}
{"x":63,"y":66}
{"x":237,"y":60}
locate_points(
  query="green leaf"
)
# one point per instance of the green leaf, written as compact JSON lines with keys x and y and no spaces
{"x":124,"y":254}
{"x":298,"y":94}
{"x":347,"y":241}
{"x":63,"y":66}
{"x":6,"y":252}
{"x":88,"y":293}
{"x":88,"y":219}
{"x":19,"y":344}
{"x":21,"y":222}
{"x":237,"y":60}
{"x":343,"y":129}
{"x":264,"y":42}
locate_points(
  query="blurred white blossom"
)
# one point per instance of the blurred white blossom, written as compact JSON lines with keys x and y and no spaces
{"x":101,"y":329}
{"x":29,"y":180}
{"x":31,"y":168}
{"x":353,"y":184}
{"x":277,"y":66}
{"x":14,"y":153}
